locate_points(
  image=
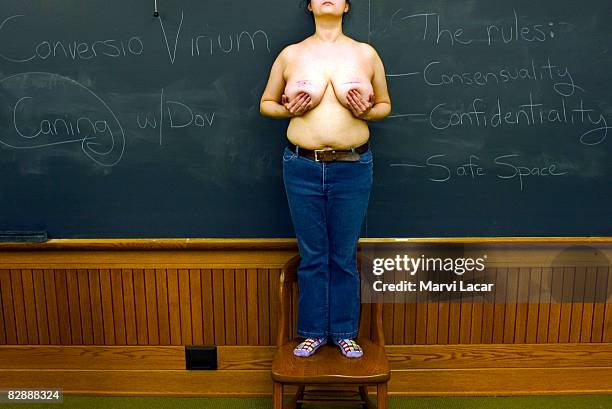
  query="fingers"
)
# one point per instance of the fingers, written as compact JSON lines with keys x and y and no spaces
{"x":297,"y":100}
{"x":291,"y":104}
{"x":358,"y":99}
{"x":357,"y":104}
{"x":302,"y":101}
{"x":299,"y":103}
{"x":352,"y":105}
{"x":358,"y":107}
{"x":302,"y":107}
{"x":286,"y":102}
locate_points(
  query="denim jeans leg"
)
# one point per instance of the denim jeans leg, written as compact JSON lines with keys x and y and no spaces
{"x":349,"y":185}
{"x":307,"y":204}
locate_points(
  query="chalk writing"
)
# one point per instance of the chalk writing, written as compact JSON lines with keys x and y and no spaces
{"x":37,"y":123}
{"x":532,"y":113}
{"x":510,"y":167}
{"x":180,"y":115}
{"x":434,"y":75}
{"x":74,"y":50}
{"x":563,"y":81}
{"x":225,"y":43}
{"x":491,"y":34}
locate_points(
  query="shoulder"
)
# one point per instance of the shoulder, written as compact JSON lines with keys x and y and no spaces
{"x":288,"y":52}
{"x":283,"y":60}
{"x":368,"y":51}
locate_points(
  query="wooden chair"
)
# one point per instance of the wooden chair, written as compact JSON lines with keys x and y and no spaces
{"x":327,"y":368}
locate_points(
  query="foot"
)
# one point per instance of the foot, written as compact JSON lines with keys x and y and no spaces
{"x":309,"y":346}
{"x":349,"y":348}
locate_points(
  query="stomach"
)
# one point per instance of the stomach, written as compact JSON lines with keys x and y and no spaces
{"x":328,"y":125}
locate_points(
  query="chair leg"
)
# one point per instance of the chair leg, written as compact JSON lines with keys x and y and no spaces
{"x":363,"y":392}
{"x":299,"y":395}
{"x":381,"y":395}
{"x":277,"y":396}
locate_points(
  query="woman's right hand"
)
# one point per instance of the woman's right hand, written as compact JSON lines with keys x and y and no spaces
{"x":299,"y":104}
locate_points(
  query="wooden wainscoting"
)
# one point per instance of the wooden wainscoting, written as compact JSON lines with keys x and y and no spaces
{"x":113,"y":317}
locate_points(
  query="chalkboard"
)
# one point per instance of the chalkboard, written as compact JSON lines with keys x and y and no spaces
{"x":116,"y":123}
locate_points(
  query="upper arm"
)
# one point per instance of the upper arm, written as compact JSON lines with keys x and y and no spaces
{"x":379,"y":79}
{"x":276,"y":82}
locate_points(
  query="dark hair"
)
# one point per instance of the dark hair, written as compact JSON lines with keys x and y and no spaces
{"x":346,"y":16}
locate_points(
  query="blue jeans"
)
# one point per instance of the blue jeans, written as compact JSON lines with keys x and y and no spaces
{"x":328,"y":203}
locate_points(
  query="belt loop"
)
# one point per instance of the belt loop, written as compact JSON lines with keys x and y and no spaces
{"x":297,"y":150}
{"x":352,"y":150}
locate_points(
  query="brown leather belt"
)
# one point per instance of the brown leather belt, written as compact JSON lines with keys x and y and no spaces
{"x":330,"y":155}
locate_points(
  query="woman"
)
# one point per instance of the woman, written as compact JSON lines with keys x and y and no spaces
{"x":329,"y":85}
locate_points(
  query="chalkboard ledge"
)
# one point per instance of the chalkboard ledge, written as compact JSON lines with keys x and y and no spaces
{"x":272,"y":243}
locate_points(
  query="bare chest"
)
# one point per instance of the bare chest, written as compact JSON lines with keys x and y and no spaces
{"x":331,"y":72}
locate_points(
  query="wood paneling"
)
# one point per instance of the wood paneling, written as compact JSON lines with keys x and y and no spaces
{"x":180,"y":307}
{"x":58,"y":300}
{"x":19,"y":306}
{"x":163,"y":314}
{"x":9,"y":325}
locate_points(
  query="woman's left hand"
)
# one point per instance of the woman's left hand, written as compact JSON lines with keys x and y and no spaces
{"x":359,"y":106}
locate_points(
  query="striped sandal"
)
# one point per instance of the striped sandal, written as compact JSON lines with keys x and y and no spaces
{"x":349,"y":348}
{"x":309,"y":346}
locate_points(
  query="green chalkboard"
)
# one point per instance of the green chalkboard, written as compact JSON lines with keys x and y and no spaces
{"x":116,"y":123}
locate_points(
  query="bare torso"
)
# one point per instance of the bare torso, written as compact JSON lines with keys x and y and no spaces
{"x":327,"y":73}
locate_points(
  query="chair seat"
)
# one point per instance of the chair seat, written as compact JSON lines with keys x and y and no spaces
{"x":328,"y":366}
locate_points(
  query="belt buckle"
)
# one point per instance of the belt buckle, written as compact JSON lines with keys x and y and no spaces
{"x":323,"y":151}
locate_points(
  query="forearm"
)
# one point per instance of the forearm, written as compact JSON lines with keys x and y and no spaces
{"x":379,"y":111}
{"x":274,"y":109}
